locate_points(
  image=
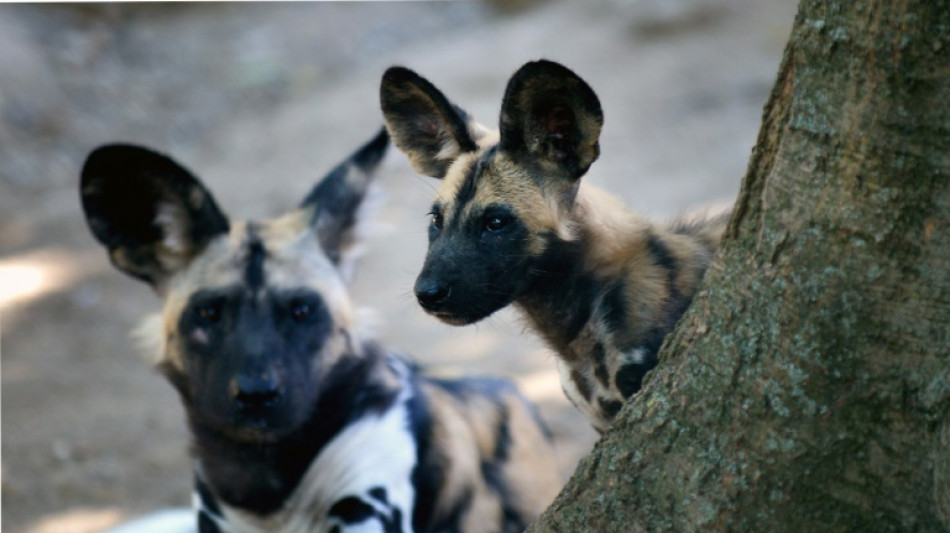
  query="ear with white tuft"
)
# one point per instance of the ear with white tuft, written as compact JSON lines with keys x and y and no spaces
{"x":149,"y":336}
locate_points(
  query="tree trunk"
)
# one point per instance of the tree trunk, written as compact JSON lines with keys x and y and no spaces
{"x":808,"y":386}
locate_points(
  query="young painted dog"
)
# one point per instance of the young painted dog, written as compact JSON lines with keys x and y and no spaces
{"x":513,"y":223}
{"x":298,"y":423}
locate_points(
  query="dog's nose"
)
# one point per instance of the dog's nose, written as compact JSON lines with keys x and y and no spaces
{"x":432,"y":294}
{"x":254,"y":391}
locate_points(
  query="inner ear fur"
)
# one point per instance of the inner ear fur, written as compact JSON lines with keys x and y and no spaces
{"x":149,"y":212}
{"x":422,"y":122}
{"x":551,"y":116}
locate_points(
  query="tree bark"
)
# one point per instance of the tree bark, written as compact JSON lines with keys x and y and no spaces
{"x":808,"y":386}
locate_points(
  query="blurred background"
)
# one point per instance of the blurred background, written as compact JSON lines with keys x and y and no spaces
{"x":259,"y":100}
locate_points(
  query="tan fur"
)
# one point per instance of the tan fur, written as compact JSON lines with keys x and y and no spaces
{"x":504,"y":182}
{"x":615,"y":235}
{"x":294,"y":259}
{"x":469,"y":430}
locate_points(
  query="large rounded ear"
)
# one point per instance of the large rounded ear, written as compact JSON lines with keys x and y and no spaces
{"x":336,"y":200}
{"x":432,"y":131}
{"x":151,"y":214}
{"x":552,"y":117}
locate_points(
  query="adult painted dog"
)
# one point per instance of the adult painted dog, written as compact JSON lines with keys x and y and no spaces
{"x":298,"y":423}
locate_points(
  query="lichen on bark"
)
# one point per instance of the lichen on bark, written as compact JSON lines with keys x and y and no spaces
{"x":808,"y":386}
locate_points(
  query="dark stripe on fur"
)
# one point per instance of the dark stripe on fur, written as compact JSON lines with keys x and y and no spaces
{"x":379,"y":494}
{"x":460,"y":129}
{"x":206,"y":524}
{"x":453,"y":518}
{"x":371,"y":153}
{"x":581,"y":383}
{"x":564,"y":291}
{"x":469,"y":185}
{"x":394,"y":524}
{"x":352,"y":510}
{"x":661,"y":253}
{"x":466,"y":190}
{"x":494,"y":476}
{"x":614,"y":306}
{"x":665,"y":260}
{"x":502,"y":434}
{"x":610,"y":407}
{"x":207,"y":499}
{"x":254,"y":269}
{"x":600,"y":364}
{"x":630,"y":377}
{"x":428,"y":475}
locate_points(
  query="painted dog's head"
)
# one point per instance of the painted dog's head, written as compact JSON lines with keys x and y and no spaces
{"x":505,"y":196}
{"x":255,"y":314}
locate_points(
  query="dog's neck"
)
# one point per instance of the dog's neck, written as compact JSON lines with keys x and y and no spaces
{"x":560,"y":296}
{"x":259,"y":477}
{"x":605,"y":295}
{"x":571,"y":275}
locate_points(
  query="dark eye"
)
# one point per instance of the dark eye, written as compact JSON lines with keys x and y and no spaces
{"x":496,"y":222}
{"x":300,"y":310}
{"x":210,"y":312}
{"x":435,"y":219}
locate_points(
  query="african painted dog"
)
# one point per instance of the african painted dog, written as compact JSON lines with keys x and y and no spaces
{"x":513,"y":223}
{"x":298,"y":423}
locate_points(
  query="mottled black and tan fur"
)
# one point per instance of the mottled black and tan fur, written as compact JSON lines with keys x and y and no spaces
{"x":514,"y":223}
{"x":298,"y":422}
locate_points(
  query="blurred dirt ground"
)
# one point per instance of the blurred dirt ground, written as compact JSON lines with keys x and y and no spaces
{"x":261,"y":99}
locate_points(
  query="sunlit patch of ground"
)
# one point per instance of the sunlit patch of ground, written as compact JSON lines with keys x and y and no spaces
{"x":32,"y":275}
{"x":78,"y":521}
